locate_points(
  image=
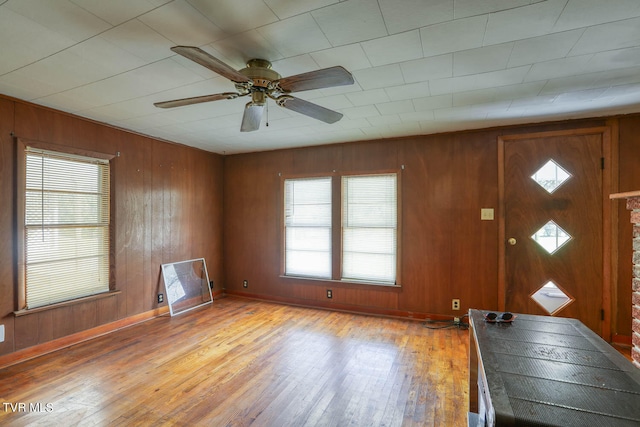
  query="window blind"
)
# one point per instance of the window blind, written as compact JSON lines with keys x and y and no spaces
{"x":308,"y":227}
{"x":369,"y":227}
{"x":66,"y":227}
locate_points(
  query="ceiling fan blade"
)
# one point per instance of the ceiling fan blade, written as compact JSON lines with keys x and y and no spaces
{"x":252,"y":117}
{"x":196,"y":100}
{"x":327,"y":77}
{"x":309,"y":109}
{"x":214,"y":64}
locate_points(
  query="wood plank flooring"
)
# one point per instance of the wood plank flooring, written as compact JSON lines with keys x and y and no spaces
{"x":242,"y":362}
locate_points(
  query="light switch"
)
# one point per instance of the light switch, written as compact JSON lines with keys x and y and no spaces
{"x":1,"y":333}
{"x":486,"y":214}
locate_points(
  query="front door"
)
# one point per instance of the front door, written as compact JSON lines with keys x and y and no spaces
{"x":553,"y":226}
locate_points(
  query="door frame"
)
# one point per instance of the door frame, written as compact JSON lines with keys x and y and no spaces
{"x":609,"y":213}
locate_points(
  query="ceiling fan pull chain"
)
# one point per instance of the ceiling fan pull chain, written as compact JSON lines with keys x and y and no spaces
{"x":267,"y":106}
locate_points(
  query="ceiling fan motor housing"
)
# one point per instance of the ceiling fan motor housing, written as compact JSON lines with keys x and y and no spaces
{"x":259,"y":70}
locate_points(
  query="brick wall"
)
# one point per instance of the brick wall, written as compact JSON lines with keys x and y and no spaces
{"x":633,"y":204}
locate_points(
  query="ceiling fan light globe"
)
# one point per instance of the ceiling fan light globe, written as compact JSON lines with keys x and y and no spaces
{"x":251,"y":117}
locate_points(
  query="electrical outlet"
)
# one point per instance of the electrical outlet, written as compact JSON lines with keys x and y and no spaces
{"x":245,"y":283}
{"x":160,"y":298}
{"x":455,"y":304}
{"x":329,"y":293}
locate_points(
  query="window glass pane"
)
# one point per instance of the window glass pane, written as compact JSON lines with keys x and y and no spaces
{"x":308,"y":227}
{"x":551,"y":176}
{"x":66,"y":227}
{"x":308,"y":239}
{"x":68,"y":278}
{"x":369,"y":267}
{"x":56,"y":174}
{"x":551,"y":237}
{"x":64,"y":208}
{"x":309,"y":264}
{"x":369,"y":240}
{"x":369,"y":227}
{"x":46,"y":245}
{"x":551,"y":298}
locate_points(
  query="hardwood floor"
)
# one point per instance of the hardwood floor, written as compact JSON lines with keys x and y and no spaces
{"x":243,"y":362}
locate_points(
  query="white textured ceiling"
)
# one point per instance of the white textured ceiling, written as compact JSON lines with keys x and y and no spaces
{"x":420,"y":66}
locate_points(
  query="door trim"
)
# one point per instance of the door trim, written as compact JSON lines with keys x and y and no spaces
{"x":609,"y":186}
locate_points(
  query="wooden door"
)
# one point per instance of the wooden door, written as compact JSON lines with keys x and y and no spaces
{"x":554,"y":235}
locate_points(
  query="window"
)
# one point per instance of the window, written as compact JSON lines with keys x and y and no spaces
{"x":369,"y":227}
{"x":308,"y":227}
{"x":366,"y":216}
{"x":66,"y":227}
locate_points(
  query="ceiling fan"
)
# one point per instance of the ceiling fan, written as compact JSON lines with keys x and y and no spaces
{"x":261,"y":82}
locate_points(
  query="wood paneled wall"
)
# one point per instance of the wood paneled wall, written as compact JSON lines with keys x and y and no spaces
{"x":447,"y":251}
{"x":167,"y":206}
{"x":173,"y":202}
{"x":7,"y":213}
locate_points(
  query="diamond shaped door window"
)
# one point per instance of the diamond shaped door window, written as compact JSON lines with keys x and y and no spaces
{"x":551,"y":176}
{"x":551,"y":298}
{"x":551,"y":237}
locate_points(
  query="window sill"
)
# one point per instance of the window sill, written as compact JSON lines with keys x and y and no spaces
{"x":26,"y":311}
{"x":382,"y":285}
